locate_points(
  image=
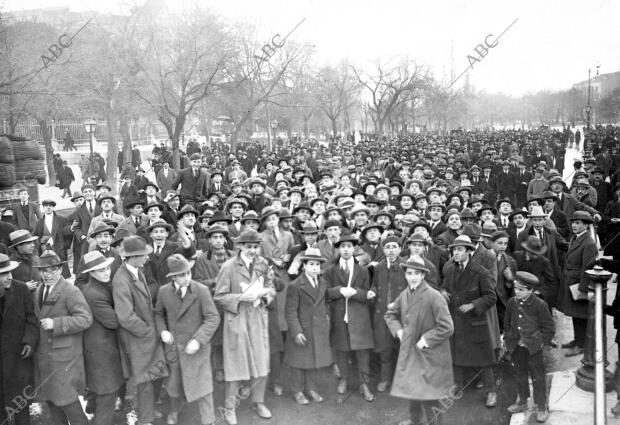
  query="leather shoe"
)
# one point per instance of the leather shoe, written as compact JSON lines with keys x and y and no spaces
{"x":230,"y":416}
{"x":615,"y":411}
{"x":277,"y":390}
{"x":300,"y":398}
{"x":173,"y":418}
{"x":365,"y":392}
{"x":262,"y":410}
{"x":491,"y":399}
{"x":574,"y":351}
{"x":569,"y":344}
{"x":517,"y":407}
{"x":342,"y":386}
{"x":382,"y":386}
{"x":542,"y":415}
{"x":316,"y":397}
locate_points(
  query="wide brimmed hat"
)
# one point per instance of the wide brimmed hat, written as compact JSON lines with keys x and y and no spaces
{"x":178,"y":264}
{"x":268,"y":211}
{"x":160,"y":223}
{"x":249,"y":236}
{"x":285,"y":214}
{"x":486,"y":208}
{"x":547,"y":194}
{"x":370,"y":226}
{"x":534,"y":245}
{"x":303,"y":206}
{"x":583,"y":216}
{"x":416,"y":237}
{"x":254,"y":181}
{"x":537,"y":212}
{"x":76,"y":195}
{"x":100,"y":228}
{"x":133,"y":246}
{"x":20,"y":236}
{"x":48,"y":259}
{"x":151,"y":205}
{"x":187,"y":209}
{"x":95,"y":260}
{"x":501,"y":201}
{"x":130,"y":203}
{"x":309,"y":227}
{"x":220,"y":216}
{"x":104,"y":197}
{"x":524,"y":213}
{"x":422,"y":223}
{"x":249,"y":215}
{"x":347,"y":238}
{"x":312,"y":254}
{"x":468,"y":213}
{"x":214,"y":228}
{"x":462,"y":240}
{"x":384,"y":213}
{"x":6,"y":265}
{"x":437,"y":205}
{"x":415,"y":264}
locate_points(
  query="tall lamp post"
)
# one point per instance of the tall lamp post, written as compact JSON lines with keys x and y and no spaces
{"x":90,"y":126}
{"x":588,"y":107}
{"x":274,"y":125}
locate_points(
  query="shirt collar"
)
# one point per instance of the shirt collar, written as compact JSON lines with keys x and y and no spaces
{"x":133,"y":270}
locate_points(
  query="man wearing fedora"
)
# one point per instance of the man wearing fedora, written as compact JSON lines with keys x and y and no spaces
{"x":420,"y":319}
{"x":54,"y":233}
{"x":567,"y":203}
{"x":348,"y":285}
{"x":531,"y":258}
{"x":102,"y":357}
{"x":80,"y":222}
{"x":244,"y":289}
{"x":63,"y":316}
{"x":550,"y":202}
{"x":133,"y":305}
{"x":193,"y":182}
{"x":18,"y":338}
{"x":470,"y":291}
{"x":307,"y":347}
{"x":156,"y":269}
{"x":106,"y":203}
{"x":135,"y":219}
{"x":581,"y":255}
{"x":186,"y":320}
{"x":25,"y":254}
{"x":103,"y":237}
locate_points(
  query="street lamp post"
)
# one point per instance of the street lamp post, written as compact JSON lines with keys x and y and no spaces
{"x":90,"y":126}
{"x":274,"y":125}
{"x":588,"y":108}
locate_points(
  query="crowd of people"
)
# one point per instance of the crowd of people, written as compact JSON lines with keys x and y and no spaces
{"x":437,"y":255}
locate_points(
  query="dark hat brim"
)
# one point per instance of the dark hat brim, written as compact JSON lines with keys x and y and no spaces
{"x":541,"y":251}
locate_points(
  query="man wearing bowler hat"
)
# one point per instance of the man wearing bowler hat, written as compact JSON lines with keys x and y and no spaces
{"x":186,"y":320}
{"x":244,"y":289}
{"x":102,"y":357}
{"x":54,"y":233}
{"x":63,"y":316}
{"x":19,"y":333}
{"x":139,"y":341}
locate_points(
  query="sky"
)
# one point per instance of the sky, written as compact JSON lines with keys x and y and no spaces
{"x":549,"y":47}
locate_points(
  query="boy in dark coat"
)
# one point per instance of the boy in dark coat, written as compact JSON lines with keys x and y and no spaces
{"x":528,"y":327}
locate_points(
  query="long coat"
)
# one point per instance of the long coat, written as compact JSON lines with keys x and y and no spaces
{"x":275,"y":250}
{"x":26,"y":222}
{"x":541,"y":268}
{"x":156,"y":269}
{"x":25,"y":272}
{"x":165,"y":182}
{"x":102,"y":356}
{"x":61,"y":236}
{"x":246,"y":327}
{"x":580,"y":257}
{"x":387,"y":284}
{"x":357,"y":333}
{"x":306,"y":313}
{"x":59,"y":360}
{"x":472,"y":341}
{"x":422,"y":374}
{"x":191,"y":188}
{"x":143,"y":355}
{"x":19,"y":328}
{"x":193,"y":317}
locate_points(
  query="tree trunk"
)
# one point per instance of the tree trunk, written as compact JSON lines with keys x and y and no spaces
{"x":112,"y":160}
{"x":126,"y":136}
{"x":334,"y":127}
{"x":49,"y":152}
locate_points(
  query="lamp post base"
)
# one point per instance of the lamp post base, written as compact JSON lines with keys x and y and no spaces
{"x":585,"y":379}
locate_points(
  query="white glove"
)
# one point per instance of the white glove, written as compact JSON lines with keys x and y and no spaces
{"x":167,"y":337}
{"x":192,"y":347}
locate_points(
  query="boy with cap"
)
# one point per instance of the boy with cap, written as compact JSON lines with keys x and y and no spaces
{"x":186,"y":320}
{"x":528,"y":327}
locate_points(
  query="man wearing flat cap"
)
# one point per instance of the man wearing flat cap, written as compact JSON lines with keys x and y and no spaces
{"x":19,"y":333}
{"x":54,"y":233}
{"x":63,"y":316}
{"x":421,"y":320}
{"x":193,"y":182}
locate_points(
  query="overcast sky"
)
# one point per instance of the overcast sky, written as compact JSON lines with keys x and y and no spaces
{"x":550,"y":47}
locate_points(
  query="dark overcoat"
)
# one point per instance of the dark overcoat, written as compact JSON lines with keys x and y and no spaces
{"x":193,"y":317}
{"x":143,"y":356}
{"x":473,"y":338}
{"x":422,"y":374}
{"x":156,"y":269}
{"x":387,"y":284}
{"x":102,"y":357}
{"x":19,"y":328}
{"x":357,"y":333}
{"x":306,"y":313}
{"x":59,"y":359}
{"x":580,"y":257}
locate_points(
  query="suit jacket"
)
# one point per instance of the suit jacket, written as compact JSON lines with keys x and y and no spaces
{"x":569,"y":204}
{"x":439,"y":228}
{"x":60,"y":234}
{"x":26,"y":222}
{"x":165,"y":183}
{"x":59,"y":368}
{"x":83,"y":217}
{"x":192,"y":188}
{"x":561,"y":222}
{"x":528,"y":322}
{"x":139,"y":340}
{"x":156,"y":268}
{"x":541,"y":268}
{"x":102,"y":356}
{"x":98,"y":219}
{"x":128,"y":191}
{"x":128,"y":226}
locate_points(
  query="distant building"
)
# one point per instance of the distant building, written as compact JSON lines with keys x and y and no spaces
{"x":600,"y":86}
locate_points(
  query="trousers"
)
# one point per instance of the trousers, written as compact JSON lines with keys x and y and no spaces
{"x":532,"y":365}
{"x":71,"y":413}
{"x":363,"y":364}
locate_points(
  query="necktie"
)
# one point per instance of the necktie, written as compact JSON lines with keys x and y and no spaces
{"x":505,"y":222}
{"x":90,"y":208}
{"x":137,"y":221}
{"x":345,"y":268}
{"x":540,"y":235}
{"x":46,"y":290}
{"x":157,"y":250}
{"x":251,"y":268}
{"x":180,"y":292}
{"x":275,"y":236}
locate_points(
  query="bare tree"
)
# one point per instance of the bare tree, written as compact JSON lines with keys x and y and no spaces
{"x":335,"y":92}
